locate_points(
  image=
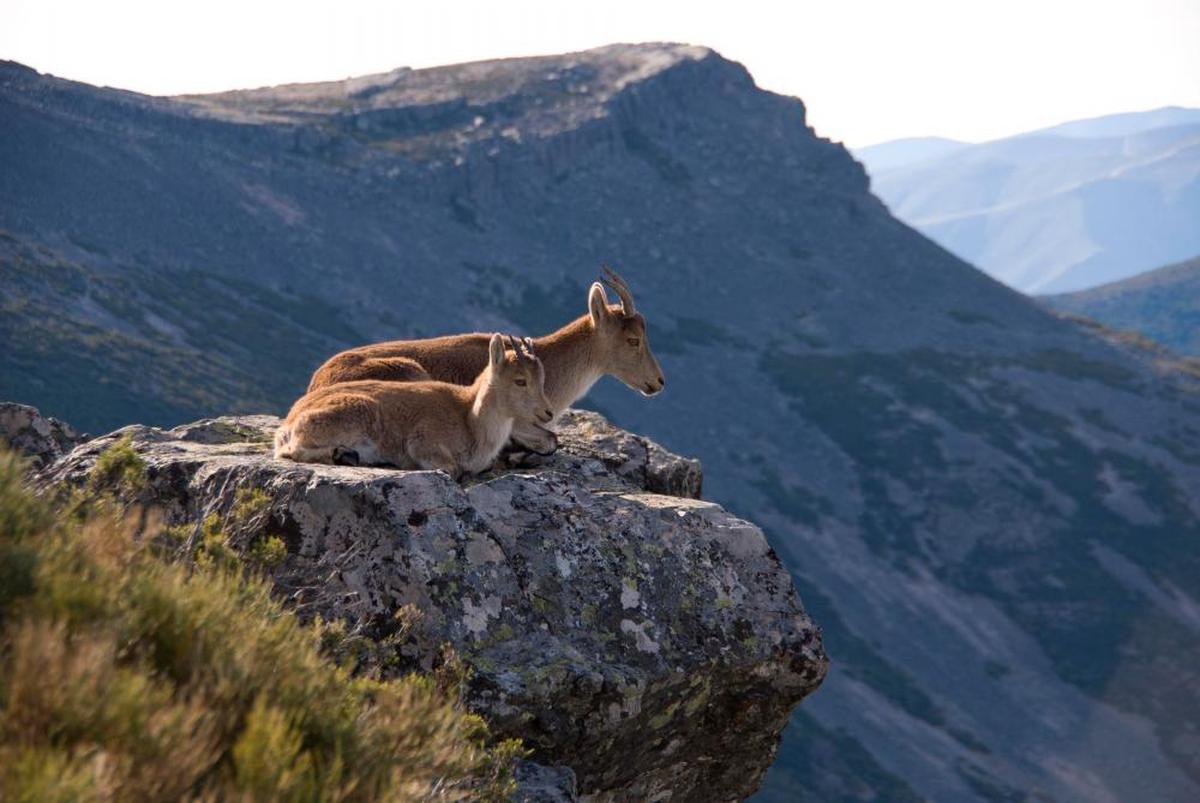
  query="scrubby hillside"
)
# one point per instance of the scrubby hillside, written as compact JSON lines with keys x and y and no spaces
{"x":1162,"y":304}
{"x":992,"y":512}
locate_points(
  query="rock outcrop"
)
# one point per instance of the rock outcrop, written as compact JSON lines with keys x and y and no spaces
{"x":649,"y":641}
{"x":40,"y":438}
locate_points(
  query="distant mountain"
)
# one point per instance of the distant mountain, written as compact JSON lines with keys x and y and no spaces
{"x":1122,"y":125}
{"x":1163,"y":304}
{"x":903,"y":152}
{"x":1063,"y":208}
{"x":993,"y":512}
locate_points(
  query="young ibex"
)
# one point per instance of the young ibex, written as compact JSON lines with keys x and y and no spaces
{"x":610,"y":339}
{"x":421,"y":424}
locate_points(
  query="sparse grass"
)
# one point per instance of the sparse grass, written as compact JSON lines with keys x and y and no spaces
{"x":124,"y":676}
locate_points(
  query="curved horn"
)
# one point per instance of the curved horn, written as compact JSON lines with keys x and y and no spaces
{"x":515,"y":343}
{"x":618,"y":285}
{"x":512,"y":344}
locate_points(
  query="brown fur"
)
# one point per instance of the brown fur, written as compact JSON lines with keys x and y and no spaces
{"x":359,"y":365}
{"x":420,"y":424}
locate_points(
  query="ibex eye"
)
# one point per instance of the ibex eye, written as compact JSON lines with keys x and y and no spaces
{"x":633,"y":341}
{"x":521,"y":382}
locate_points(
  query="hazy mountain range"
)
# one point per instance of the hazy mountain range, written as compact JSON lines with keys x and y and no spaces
{"x":1059,"y":209}
{"x":993,"y":512}
{"x":898,"y":153}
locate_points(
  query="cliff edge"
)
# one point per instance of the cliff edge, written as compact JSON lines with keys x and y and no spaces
{"x":646,"y":640}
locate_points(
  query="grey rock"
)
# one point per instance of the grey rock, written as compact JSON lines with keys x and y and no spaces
{"x":40,"y":438}
{"x":597,"y":449}
{"x":652,"y":643}
{"x":540,"y":784}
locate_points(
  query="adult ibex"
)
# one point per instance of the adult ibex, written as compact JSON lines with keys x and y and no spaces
{"x":609,"y":339}
{"x":422,"y":424}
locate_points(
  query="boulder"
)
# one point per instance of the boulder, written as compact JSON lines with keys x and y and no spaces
{"x":539,"y":784}
{"x":647,"y":640}
{"x":40,"y":438}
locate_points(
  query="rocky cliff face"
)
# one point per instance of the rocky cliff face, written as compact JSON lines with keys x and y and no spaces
{"x":646,"y":641}
{"x":992,"y":512}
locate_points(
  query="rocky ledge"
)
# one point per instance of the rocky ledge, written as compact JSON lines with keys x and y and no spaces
{"x":646,"y":640}
{"x":41,"y":439}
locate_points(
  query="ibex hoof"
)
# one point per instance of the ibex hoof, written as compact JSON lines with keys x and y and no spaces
{"x":345,"y":457}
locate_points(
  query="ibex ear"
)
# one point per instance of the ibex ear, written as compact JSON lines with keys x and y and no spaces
{"x":496,"y":351}
{"x":597,"y":303}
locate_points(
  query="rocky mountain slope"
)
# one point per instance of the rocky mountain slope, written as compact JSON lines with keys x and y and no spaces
{"x":992,"y":512}
{"x":645,"y":642}
{"x":1162,"y":304}
{"x":1061,"y":209}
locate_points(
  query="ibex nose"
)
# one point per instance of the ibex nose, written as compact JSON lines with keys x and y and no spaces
{"x":662,"y":383}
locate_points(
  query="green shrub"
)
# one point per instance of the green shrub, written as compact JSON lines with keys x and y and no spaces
{"x":248,"y":503}
{"x":124,"y":676}
{"x":268,"y":552}
{"x":119,"y":468}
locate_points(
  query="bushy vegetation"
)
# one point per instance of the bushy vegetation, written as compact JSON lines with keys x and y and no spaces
{"x":119,"y":468}
{"x":127,"y":676}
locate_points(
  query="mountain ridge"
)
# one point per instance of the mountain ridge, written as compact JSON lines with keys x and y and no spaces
{"x":1124,"y":123}
{"x":906,"y":151}
{"x":1051,"y":212}
{"x":1119,"y":124}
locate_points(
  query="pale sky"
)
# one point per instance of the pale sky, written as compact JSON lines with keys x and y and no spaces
{"x":868,"y":70}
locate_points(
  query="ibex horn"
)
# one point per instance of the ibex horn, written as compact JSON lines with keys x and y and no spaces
{"x":515,"y":346}
{"x":614,"y":280}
